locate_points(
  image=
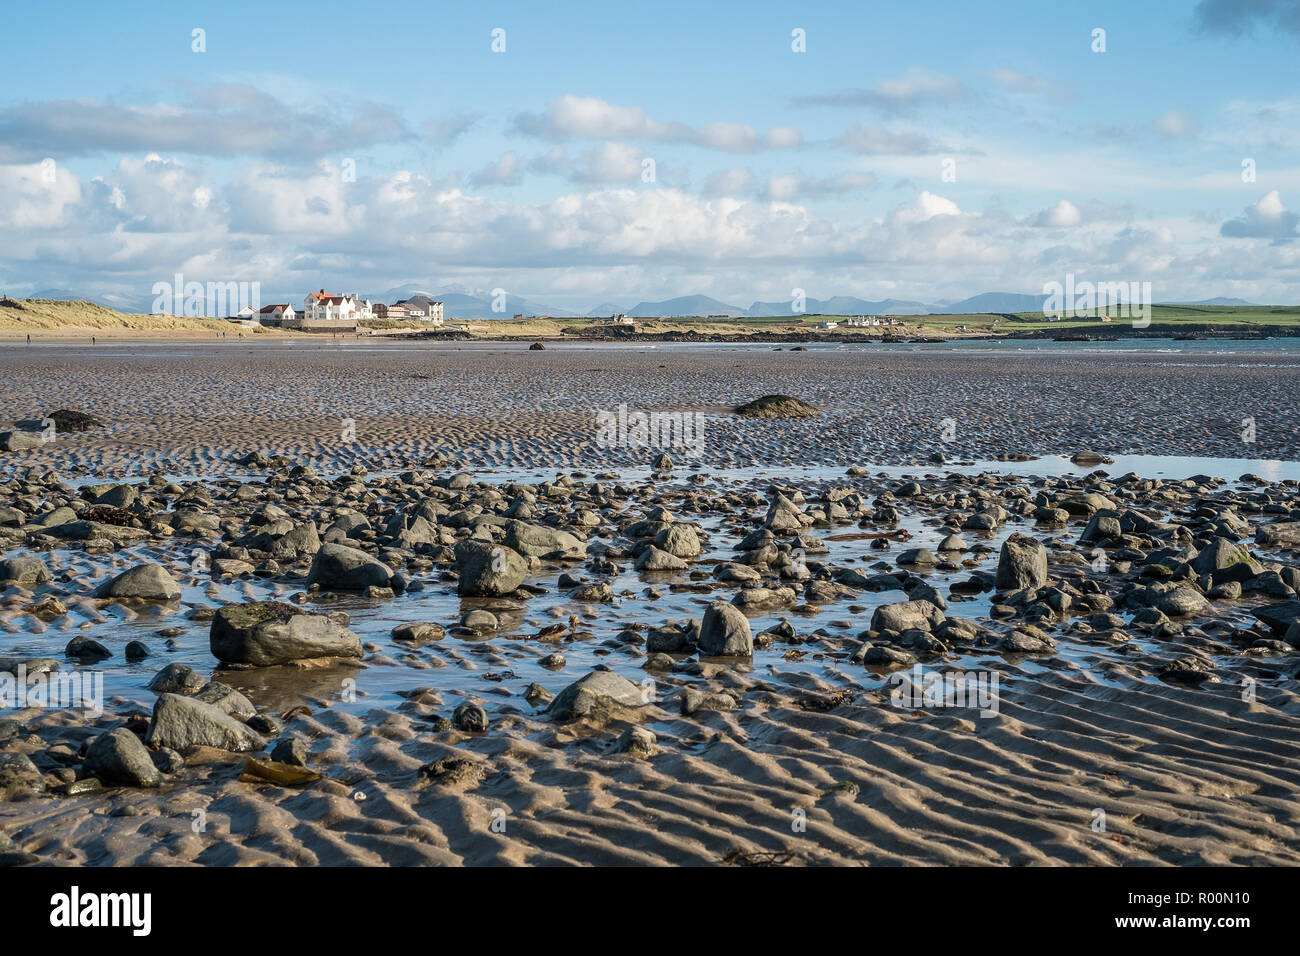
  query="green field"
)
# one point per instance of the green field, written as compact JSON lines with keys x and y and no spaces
{"x":1174,"y":318}
{"x":1243,"y":318}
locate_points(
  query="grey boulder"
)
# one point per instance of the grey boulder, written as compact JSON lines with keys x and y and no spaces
{"x":144,"y":582}
{"x":183,"y":722}
{"x":348,"y":569}
{"x":27,"y":571}
{"x":17,"y":775}
{"x":266,"y":633}
{"x":539,"y":541}
{"x":488,"y":570}
{"x":598,"y":695}
{"x":1022,"y":563}
{"x":907,"y":616}
{"x":725,"y":632}
{"x":118,"y":757}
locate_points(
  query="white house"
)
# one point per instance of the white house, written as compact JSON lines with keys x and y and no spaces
{"x":276,"y":314}
{"x":415,"y":309}
{"x":324,"y":307}
{"x":829,"y":325}
{"x":618,"y":318}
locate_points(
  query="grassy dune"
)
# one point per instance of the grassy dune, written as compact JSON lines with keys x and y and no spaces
{"x":50,"y":318}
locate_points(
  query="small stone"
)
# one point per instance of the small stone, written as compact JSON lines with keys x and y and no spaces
{"x":470,"y":718}
{"x":119,"y":758}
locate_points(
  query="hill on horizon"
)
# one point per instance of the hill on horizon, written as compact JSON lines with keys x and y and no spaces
{"x":685,"y":305}
{"x":841,"y":305}
{"x":474,"y":304}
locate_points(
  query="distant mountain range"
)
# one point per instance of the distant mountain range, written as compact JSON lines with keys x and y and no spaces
{"x":477,"y":304}
{"x":1219,"y":301}
{"x":842,"y":305}
{"x":471,"y":305}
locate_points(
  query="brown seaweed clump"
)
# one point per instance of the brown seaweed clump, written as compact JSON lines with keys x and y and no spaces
{"x":776,"y":406}
{"x":66,"y":420}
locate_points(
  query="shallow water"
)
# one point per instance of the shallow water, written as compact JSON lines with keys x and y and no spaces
{"x":1287,"y":346}
{"x":498,"y":668}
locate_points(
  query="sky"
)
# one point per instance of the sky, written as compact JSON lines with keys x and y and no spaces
{"x":584,"y":154}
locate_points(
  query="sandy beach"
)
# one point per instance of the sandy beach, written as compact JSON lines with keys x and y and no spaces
{"x":479,"y":634}
{"x":194,"y":410}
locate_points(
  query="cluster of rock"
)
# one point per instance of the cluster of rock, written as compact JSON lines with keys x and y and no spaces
{"x":1184,"y":564}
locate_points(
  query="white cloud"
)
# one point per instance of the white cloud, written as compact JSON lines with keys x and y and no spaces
{"x":792,"y":187}
{"x":1176,"y":124}
{"x":226,"y":119}
{"x":507,"y":170}
{"x":585,"y":117}
{"x":876,"y":140}
{"x":273,"y":200}
{"x":1064,"y":214}
{"x":915,"y":88}
{"x":1265,"y":218}
{"x":37,"y":195}
{"x":739,"y":181}
{"x":610,"y":163}
{"x":926,"y":206}
{"x":1018,"y":82}
{"x":446,"y":130}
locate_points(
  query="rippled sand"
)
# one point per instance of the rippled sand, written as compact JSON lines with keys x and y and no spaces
{"x":191,"y":409}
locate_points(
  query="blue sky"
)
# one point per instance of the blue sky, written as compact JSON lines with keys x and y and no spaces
{"x":918,"y":150}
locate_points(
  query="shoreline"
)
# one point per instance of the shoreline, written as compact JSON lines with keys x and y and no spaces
{"x":611,"y":337}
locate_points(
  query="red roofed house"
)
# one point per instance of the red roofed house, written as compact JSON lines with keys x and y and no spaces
{"x":276,"y":314}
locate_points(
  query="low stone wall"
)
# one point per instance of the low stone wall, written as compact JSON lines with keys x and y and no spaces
{"x":323,"y":326}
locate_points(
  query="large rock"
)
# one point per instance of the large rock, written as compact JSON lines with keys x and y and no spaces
{"x":299,"y":541}
{"x":599,"y":695}
{"x":118,"y":757}
{"x":488,"y":570}
{"x":1281,"y":534}
{"x":1021,"y":564}
{"x":27,"y":571}
{"x":183,"y":722}
{"x":1279,"y":616}
{"x":725,"y":632}
{"x":652,"y":559}
{"x":1183,"y":602}
{"x":94,"y":530}
{"x":227,"y":700}
{"x":18,"y":440}
{"x":907,"y":616}
{"x":145,"y":582}
{"x":266,"y":633}
{"x":17,"y":775}
{"x":783,"y":515}
{"x":1220,"y":554}
{"x":176,"y":678}
{"x":679,"y":540}
{"x":539,"y":541}
{"x":348,"y":569}
{"x":1085,"y":504}
{"x":119,"y":496}
{"x":410,"y":530}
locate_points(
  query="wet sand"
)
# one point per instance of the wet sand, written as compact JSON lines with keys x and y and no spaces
{"x":193,"y":410}
{"x":809,"y":760}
